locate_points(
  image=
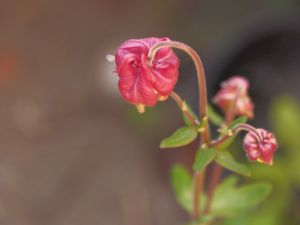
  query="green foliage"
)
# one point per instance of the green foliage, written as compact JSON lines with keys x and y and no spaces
{"x":204,"y":220}
{"x":204,"y":156}
{"x":181,"y":137}
{"x":230,"y":200}
{"x":182,"y":185}
{"x":241,"y":119}
{"x":226,"y":160}
{"x":285,"y":115}
{"x":281,"y":207}
{"x":214,"y":117}
{"x":241,"y":204}
{"x":226,"y":143}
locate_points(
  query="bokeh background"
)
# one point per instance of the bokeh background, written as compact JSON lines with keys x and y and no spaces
{"x":72,"y":152}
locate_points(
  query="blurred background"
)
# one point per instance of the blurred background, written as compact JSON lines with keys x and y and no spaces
{"x":73,"y":152}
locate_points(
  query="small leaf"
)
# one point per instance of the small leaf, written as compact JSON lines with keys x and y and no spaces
{"x":186,"y":119}
{"x":214,"y":117}
{"x":227,"y":184}
{"x":226,"y":160}
{"x":204,"y":156}
{"x":181,"y":137}
{"x":255,"y":193}
{"x":226,"y":143}
{"x":241,"y":119}
{"x":182,"y":185}
{"x":230,"y":200}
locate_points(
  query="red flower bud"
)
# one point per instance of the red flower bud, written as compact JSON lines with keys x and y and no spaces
{"x":260,"y":146}
{"x":140,"y":83}
{"x":233,"y":95}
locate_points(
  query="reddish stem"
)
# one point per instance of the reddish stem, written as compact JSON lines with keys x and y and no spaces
{"x":236,"y":129}
{"x":205,"y":136}
{"x":198,"y":188}
{"x":217,"y":169}
{"x":202,"y":90}
{"x":216,"y":174}
{"x":183,"y":108}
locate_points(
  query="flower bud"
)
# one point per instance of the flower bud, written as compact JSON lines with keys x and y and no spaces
{"x":260,"y":146}
{"x":233,"y":96}
{"x":142,"y":84}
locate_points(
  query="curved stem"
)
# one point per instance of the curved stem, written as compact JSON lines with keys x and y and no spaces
{"x":181,"y":104}
{"x":247,"y":127}
{"x":202,"y":93}
{"x":236,"y":129}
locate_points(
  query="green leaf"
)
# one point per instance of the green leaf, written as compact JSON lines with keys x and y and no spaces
{"x":182,"y":185}
{"x":226,"y":160}
{"x":186,"y":119}
{"x":241,"y":119}
{"x":227,"y":184}
{"x":203,"y":220}
{"x":181,"y":137}
{"x":230,"y":200}
{"x":204,"y":156}
{"x":226,"y":143}
{"x":214,"y":117}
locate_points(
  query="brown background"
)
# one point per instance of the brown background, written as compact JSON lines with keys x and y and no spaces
{"x":71,"y":151}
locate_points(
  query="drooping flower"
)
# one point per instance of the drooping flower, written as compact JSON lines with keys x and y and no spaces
{"x":233,"y":96}
{"x":142,"y":84}
{"x":260,"y":146}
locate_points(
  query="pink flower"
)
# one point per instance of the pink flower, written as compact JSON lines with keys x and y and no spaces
{"x":260,"y":146}
{"x":233,"y":97}
{"x":140,"y":83}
